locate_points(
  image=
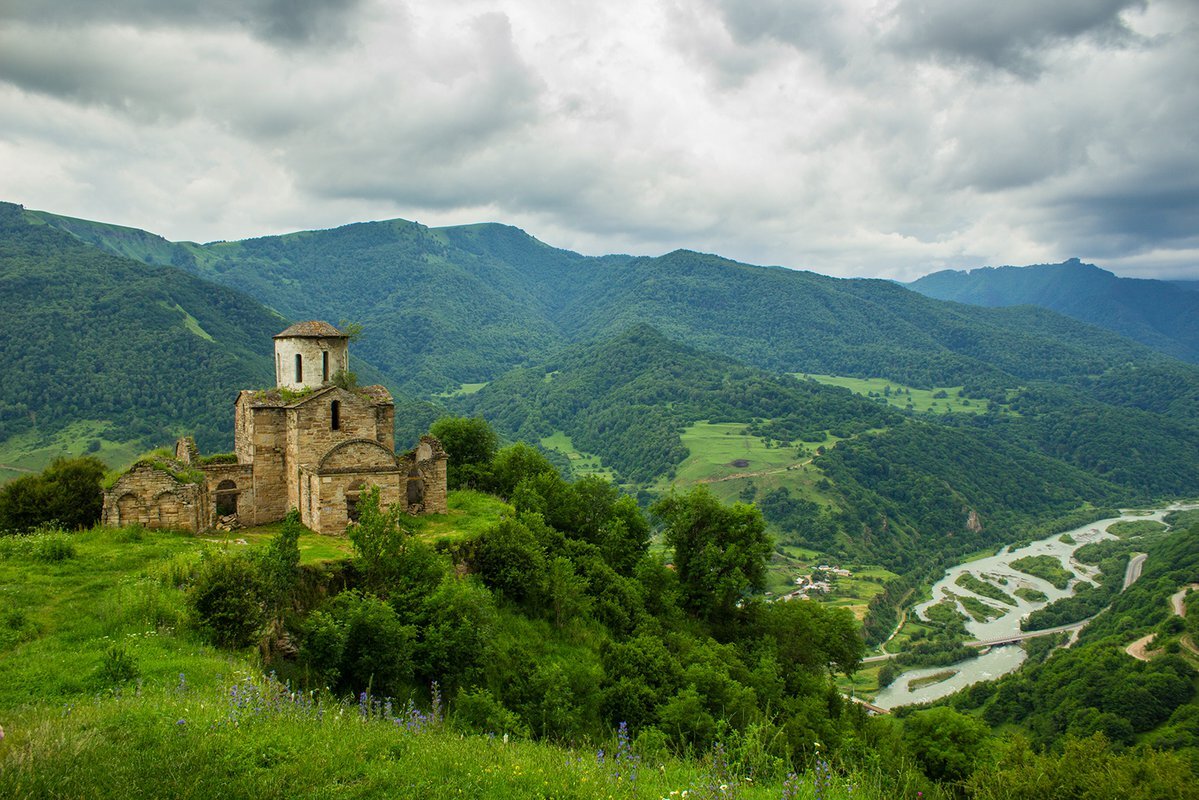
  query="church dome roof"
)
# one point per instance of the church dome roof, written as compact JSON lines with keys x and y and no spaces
{"x":312,"y":329}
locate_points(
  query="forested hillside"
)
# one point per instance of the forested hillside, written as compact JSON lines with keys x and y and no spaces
{"x":895,"y":489}
{"x":464,"y":304}
{"x":1155,"y":313}
{"x":145,"y":350}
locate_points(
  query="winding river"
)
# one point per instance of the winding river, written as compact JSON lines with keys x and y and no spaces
{"x":997,"y":569}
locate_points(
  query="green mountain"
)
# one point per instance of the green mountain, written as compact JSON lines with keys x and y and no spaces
{"x":465,"y":304}
{"x":102,"y":350}
{"x":1155,"y":313}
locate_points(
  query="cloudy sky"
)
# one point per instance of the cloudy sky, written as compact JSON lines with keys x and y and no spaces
{"x":850,"y":137}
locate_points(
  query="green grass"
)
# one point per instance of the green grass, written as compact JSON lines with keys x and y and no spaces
{"x":714,"y":447}
{"x":1131,"y":528}
{"x":192,"y":324}
{"x":1046,"y":567}
{"x":199,"y":722}
{"x":196,"y":742}
{"x":581,"y":463}
{"x":980,"y":611}
{"x":463,"y":390}
{"x":1031,"y":595}
{"x":470,"y":514}
{"x":33,"y":451}
{"x":911,"y":397}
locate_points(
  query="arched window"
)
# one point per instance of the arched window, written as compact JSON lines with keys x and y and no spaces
{"x":335,"y":415}
{"x":299,"y":368}
{"x":324,"y":366}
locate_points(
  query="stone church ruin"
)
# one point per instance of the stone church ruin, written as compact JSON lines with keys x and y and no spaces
{"x":308,"y":444}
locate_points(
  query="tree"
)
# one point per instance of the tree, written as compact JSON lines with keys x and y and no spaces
{"x":945,"y":742}
{"x":720,"y":551}
{"x":379,"y":539}
{"x":515,"y":463}
{"x":470,"y":444}
{"x":66,"y":493}
{"x":279,"y":565}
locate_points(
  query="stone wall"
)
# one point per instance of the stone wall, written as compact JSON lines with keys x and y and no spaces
{"x":270,"y":465}
{"x":217,"y":480}
{"x":148,"y":496}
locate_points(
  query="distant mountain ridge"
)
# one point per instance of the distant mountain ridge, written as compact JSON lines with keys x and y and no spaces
{"x":1163,"y":315}
{"x":464,"y":304}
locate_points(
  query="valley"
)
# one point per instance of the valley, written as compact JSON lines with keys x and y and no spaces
{"x":885,"y":454}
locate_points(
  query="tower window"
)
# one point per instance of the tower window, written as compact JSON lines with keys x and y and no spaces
{"x":299,"y":368}
{"x":335,"y":415}
{"x":324,"y":366}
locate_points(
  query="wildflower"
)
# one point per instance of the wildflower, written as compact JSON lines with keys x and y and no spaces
{"x":1,"y":733}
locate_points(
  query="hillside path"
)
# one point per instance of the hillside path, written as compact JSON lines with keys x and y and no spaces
{"x":1138,"y":648}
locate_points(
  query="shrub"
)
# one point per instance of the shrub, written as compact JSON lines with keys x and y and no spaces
{"x":117,"y":667}
{"x":225,"y":599}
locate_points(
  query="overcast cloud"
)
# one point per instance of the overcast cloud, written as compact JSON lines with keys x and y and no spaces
{"x":850,"y":137}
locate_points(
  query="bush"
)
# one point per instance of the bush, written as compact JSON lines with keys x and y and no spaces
{"x":118,"y":667}
{"x":66,"y":492}
{"x":225,"y":599}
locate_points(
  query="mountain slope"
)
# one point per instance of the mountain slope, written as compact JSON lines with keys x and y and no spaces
{"x":152,"y":351}
{"x":902,"y":488}
{"x":1155,"y":313}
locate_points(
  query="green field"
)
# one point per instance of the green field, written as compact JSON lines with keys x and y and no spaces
{"x":33,"y":451}
{"x":715,"y":447}
{"x":463,"y":390}
{"x":581,"y":463}
{"x":906,"y":397}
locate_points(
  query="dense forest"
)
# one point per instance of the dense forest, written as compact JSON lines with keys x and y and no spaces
{"x":86,"y":335}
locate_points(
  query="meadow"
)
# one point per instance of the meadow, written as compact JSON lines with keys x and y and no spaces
{"x":107,"y":691}
{"x":938,"y":400}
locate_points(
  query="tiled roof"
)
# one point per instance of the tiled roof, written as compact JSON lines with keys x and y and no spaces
{"x":313,"y":329}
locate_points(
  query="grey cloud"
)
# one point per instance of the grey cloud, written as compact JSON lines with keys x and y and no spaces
{"x":285,"y":22}
{"x":813,"y":26}
{"x":1152,"y":211}
{"x":1008,"y":35}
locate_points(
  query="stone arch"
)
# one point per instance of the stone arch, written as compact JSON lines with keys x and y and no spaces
{"x":357,"y":454}
{"x":416,"y":488}
{"x":168,"y":507}
{"x":226,"y":498}
{"x":129,"y":509}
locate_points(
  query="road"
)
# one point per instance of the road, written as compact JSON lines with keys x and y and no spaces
{"x":1133,"y":570}
{"x":1138,"y":649}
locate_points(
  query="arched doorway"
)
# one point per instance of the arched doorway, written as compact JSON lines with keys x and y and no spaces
{"x":226,"y":499}
{"x":416,"y":488}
